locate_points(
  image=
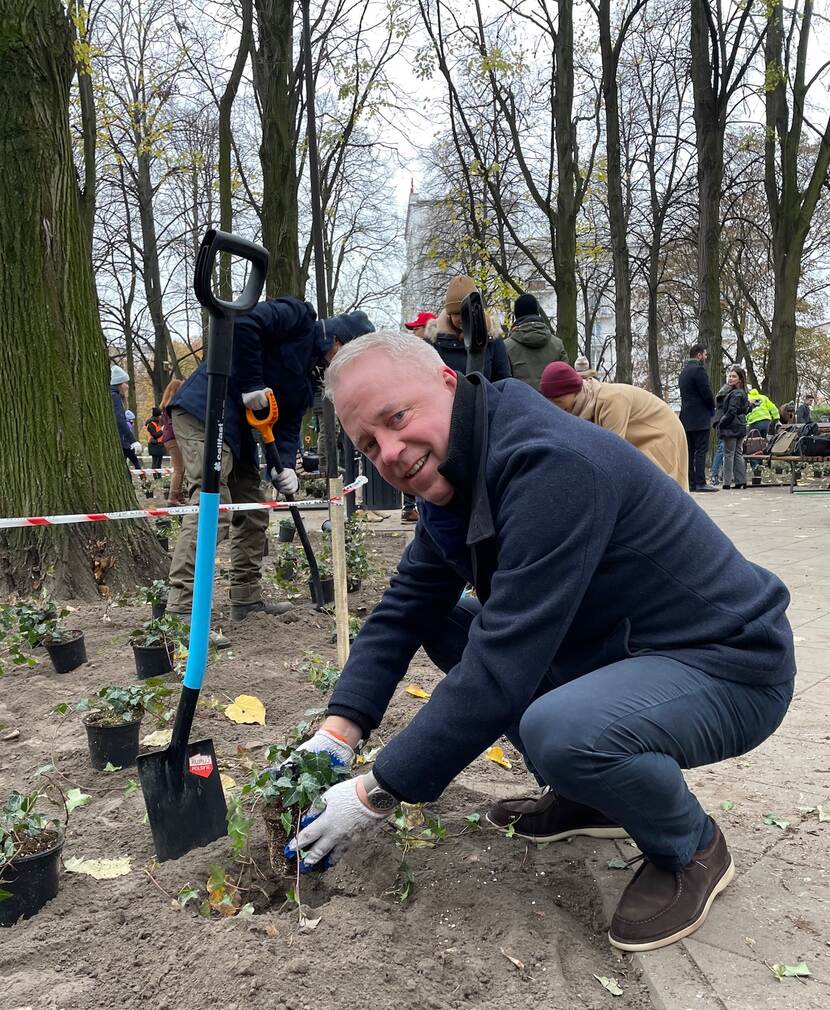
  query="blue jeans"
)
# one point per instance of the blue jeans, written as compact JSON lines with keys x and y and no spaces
{"x":617,"y":738}
{"x":717,"y":461}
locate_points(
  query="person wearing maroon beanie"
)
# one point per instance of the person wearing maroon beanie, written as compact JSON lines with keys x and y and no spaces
{"x":636,"y":415}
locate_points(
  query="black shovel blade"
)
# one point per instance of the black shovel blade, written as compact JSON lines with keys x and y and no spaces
{"x":184,"y":798}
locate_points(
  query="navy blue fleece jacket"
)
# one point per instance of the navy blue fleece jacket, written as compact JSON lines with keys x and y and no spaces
{"x":583,"y":553}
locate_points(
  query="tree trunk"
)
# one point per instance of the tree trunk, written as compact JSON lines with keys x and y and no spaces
{"x":654,"y":380}
{"x":60,"y":446}
{"x":567,"y":198}
{"x":616,"y":211}
{"x":225,"y":106}
{"x":273,"y":64}
{"x":709,"y":134}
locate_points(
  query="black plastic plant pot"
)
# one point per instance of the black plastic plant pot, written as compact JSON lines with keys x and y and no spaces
{"x":69,"y":654}
{"x":164,"y":543}
{"x":287,"y":573}
{"x":31,"y":881}
{"x":353,"y":584}
{"x":311,"y":462}
{"x":159,"y":610}
{"x":286,"y":534}
{"x":152,"y":661}
{"x":115,"y":745}
{"x":328,"y":590}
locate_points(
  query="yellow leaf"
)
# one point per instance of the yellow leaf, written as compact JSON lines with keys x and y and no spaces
{"x":100,"y":869}
{"x":159,"y":738}
{"x":227,"y":782}
{"x":417,"y":692}
{"x":246,"y":708}
{"x":496,"y":755}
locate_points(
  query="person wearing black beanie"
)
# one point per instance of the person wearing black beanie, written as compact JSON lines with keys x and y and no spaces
{"x":530,"y":345}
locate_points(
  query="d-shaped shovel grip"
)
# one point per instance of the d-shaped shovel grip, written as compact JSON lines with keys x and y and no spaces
{"x":216,"y":242}
{"x":474,"y":323}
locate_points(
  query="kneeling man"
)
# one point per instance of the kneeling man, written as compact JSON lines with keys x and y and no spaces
{"x":617,"y":635}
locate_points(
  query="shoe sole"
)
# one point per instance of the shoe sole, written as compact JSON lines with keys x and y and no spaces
{"x":721,"y":885}
{"x":609,"y":832}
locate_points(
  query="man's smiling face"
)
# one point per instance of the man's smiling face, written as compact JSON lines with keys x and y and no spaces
{"x":398,"y":414}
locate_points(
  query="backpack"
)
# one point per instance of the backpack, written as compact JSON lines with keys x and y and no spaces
{"x":785,"y":442}
{"x":814,"y":445}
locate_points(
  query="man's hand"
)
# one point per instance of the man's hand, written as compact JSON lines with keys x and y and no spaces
{"x":257,"y":399}
{"x":333,"y":744}
{"x":287,"y":482}
{"x":345,"y":815}
{"x":137,"y":448}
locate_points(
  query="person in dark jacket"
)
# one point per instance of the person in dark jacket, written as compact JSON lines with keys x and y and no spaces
{"x":731,"y":411}
{"x":276,"y":347}
{"x":606,"y":637}
{"x":119,"y":387}
{"x":530,"y":345}
{"x":803,"y":415}
{"x":445,"y":333}
{"x":154,"y":428}
{"x":697,"y":405}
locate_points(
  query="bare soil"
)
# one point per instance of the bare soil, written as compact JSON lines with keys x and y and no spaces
{"x":478,"y":898}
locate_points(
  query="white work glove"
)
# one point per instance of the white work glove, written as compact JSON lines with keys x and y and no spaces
{"x":257,"y":399}
{"x":287,"y":482}
{"x":339,"y":751}
{"x":137,"y":448}
{"x":344,"y":815}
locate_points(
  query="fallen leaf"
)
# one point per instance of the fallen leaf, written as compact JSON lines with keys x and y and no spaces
{"x":611,"y":984}
{"x":272,"y":931}
{"x":513,"y":960}
{"x":778,"y":822}
{"x":110,"y":767}
{"x":75,"y":798}
{"x":246,"y":911}
{"x":782,"y":971}
{"x":417,"y":692}
{"x":12,"y":734}
{"x":227,"y":782}
{"x":308,"y":921}
{"x":617,"y":864}
{"x":247,"y":709}
{"x":100,"y":869}
{"x":727,"y":805}
{"x":496,"y":755}
{"x":823,"y":815}
{"x":160,"y":738}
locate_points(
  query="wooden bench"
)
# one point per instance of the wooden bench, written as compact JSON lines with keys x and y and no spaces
{"x":769,"y":459}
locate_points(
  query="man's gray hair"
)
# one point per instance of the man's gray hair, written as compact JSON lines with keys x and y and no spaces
{"x":405,"y":348}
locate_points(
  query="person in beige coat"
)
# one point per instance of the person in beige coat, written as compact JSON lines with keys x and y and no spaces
{"x":638,"y":416}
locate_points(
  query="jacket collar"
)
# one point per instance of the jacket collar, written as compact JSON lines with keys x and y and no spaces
{"x":465,"y":465}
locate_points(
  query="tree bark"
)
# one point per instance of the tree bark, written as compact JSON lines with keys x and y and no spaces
{"x":225,"y":137}
{"x":273,"y":65}
{"x":567,"y":196}
{"x":61,"y":451}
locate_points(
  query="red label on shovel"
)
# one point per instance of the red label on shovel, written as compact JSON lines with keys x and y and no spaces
{"x":201,"y":764}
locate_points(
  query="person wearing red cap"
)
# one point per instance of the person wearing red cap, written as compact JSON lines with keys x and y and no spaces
{"x":638,"y":416}
{"x":418,"y":325}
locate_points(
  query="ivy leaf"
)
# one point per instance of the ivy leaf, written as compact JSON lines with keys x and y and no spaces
{"x":110,"y":767}
{"x":775,"y":821}
{"x":823,"y":814}
{"x":186,"y":895}
{"x":473,"y":820}
{"x":617,"y":864}
{"x":286,"y":821}
{"x":727,"y":805}
{"x":5,"y":895}
{"x":75,"y":798}
{"x":131,"y":787}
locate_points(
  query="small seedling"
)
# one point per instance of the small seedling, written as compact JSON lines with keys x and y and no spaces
{"x":321,"y":673}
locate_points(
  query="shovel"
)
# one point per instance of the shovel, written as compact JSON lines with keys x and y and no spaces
{"x":181,"y":785}
{"x":264,"y":420}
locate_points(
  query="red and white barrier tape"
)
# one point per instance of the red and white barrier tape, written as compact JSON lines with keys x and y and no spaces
{"x":179,"y":510}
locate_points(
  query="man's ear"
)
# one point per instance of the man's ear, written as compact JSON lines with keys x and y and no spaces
{"x":449,"y":377}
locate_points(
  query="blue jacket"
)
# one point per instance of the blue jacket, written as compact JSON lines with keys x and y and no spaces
{"x":275,"y":344}
{"x":583,"y":553}
{"x":125,"y":432}
{"x":697,"y":404}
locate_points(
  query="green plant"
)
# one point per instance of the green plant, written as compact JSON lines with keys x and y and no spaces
{"x":413,"y":830}
{"x":113,"y":706}
{"x":287,"y":523}
{"x":26,"y":623}
{"x":357,"y":561}
{"x":23,"y":829}
{"x":169,"y":631}
{"x":321,"y":673}
{"x":287,"y":556}
{"x":156,"y":593}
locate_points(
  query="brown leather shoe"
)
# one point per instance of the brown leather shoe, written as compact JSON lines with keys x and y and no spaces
{"x":551,"y":818}
{"x":409,"y":515}
{"x":659,"y":907}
